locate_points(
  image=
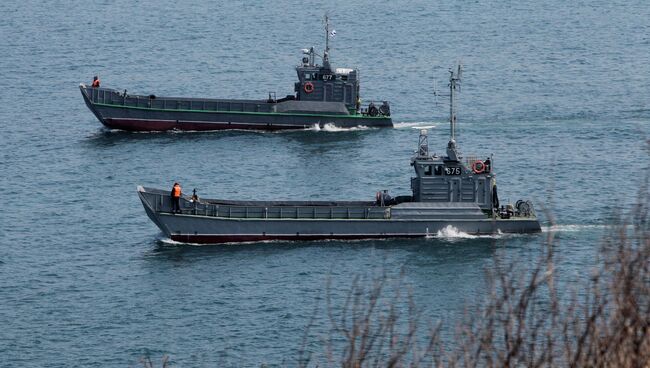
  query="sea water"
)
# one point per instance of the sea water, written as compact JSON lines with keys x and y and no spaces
{"x":558,"y":92}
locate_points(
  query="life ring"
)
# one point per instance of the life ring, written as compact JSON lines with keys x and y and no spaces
{"x":308,"y":87}
{"x":478,"y":167}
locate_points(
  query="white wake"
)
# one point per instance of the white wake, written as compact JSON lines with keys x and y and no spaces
{"x":329,"y":127}
{"x":415,"y":125}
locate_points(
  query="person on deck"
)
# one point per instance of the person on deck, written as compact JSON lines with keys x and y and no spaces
{"x":176,"y":198}
{"x":95,"y":82}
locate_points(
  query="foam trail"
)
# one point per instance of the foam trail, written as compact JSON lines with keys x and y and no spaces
{"x":415,"y":125}
{"x":451,"y":233}
{"x":170,"y":242}
{"x":571,"y":228}
{"x":329,"y":127}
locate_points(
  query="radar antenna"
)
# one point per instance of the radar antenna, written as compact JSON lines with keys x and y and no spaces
{"x":311,"y":53}
{"x":423,"y":144}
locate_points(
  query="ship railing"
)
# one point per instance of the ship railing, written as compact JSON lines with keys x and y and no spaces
{"x":469,"y":160}
{"x":162,"y":203}
{"x":113,"y":97}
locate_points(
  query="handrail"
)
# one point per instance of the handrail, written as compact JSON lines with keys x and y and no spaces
{"x":271,"y":212}
{"x":114,"y":97}
{"x":117,"y":98}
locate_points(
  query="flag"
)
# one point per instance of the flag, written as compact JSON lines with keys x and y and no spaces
{"x":333,"y":33}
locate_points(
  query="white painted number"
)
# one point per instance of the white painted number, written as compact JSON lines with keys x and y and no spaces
{"x":452,"y":170}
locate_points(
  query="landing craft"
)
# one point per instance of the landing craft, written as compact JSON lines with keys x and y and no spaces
{"x":447,"y":190}
{"x":323,"y":95}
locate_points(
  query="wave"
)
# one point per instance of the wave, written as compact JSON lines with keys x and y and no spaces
{"x":571,"y":228}
{"x":452,"y":233}
{"x":415,"y":125}
{"x":166,"y":241}
{"x":329,"y":127}
{"x":173,"y":243}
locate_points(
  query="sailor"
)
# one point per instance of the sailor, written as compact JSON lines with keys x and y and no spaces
{"x":95,"y":82}
{"x":386,"y":198}
{"x":487,"y":163}
{"x":358,"y":105}
{"x":176,"y":198}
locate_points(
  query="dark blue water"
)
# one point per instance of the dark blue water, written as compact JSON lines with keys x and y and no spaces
{"x":558,"y":91}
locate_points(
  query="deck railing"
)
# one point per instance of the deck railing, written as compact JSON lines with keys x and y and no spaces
{"x":162,"y":203}
{"x":112,"y":97}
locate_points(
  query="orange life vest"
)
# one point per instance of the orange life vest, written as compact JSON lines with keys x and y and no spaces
{"x":96,"y":83}
{"x":177,"y":191}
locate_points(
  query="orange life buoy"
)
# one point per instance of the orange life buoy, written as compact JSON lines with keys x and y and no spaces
{"x":478,"y":167}
{"x":308,"y":87}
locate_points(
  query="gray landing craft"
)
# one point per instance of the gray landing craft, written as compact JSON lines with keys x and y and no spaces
{"x":323,"y":95}
{"x":447,"y":191}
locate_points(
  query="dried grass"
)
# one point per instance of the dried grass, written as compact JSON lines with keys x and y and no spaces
{"x":523,"y":322}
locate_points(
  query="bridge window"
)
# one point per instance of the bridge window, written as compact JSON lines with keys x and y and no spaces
{"x":311,"y":76}
{"x":438,"y":170}
{"x":427,"y":170}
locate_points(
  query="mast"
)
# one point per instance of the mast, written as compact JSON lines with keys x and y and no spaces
{"x":454,"y":83}
{"x":326,"y":57}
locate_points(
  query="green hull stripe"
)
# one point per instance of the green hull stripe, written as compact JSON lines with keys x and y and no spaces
{"x":243,"y":112}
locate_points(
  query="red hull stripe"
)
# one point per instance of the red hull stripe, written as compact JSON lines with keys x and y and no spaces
{"x":162,"y":125}
{"x":215,"y":239}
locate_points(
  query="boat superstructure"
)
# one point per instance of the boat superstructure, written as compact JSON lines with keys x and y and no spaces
{"x":447,"y":190}
{"x":323,"y":95}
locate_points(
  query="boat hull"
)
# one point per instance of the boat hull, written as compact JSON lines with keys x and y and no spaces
{"x":216,"y":231}
{"x":138,"y":113}
{"x":208,"y":224}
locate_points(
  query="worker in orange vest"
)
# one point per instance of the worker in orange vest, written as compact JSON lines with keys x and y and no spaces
{"x":176,"y":198}
{"x":95,"y":82}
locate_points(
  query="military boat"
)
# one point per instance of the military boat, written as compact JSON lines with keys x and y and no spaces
{"x":447,"y":191}
{"x":323,"y":95}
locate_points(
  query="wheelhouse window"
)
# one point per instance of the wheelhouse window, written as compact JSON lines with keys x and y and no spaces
{"x":438,"y":170}
{"x":427,"y":170}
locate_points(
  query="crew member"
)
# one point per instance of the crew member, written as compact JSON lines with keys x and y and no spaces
{"x":358,"y":105}
{"x":487,"y":163}
{"x":176,"y":198}
{"x":95,"y":82}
